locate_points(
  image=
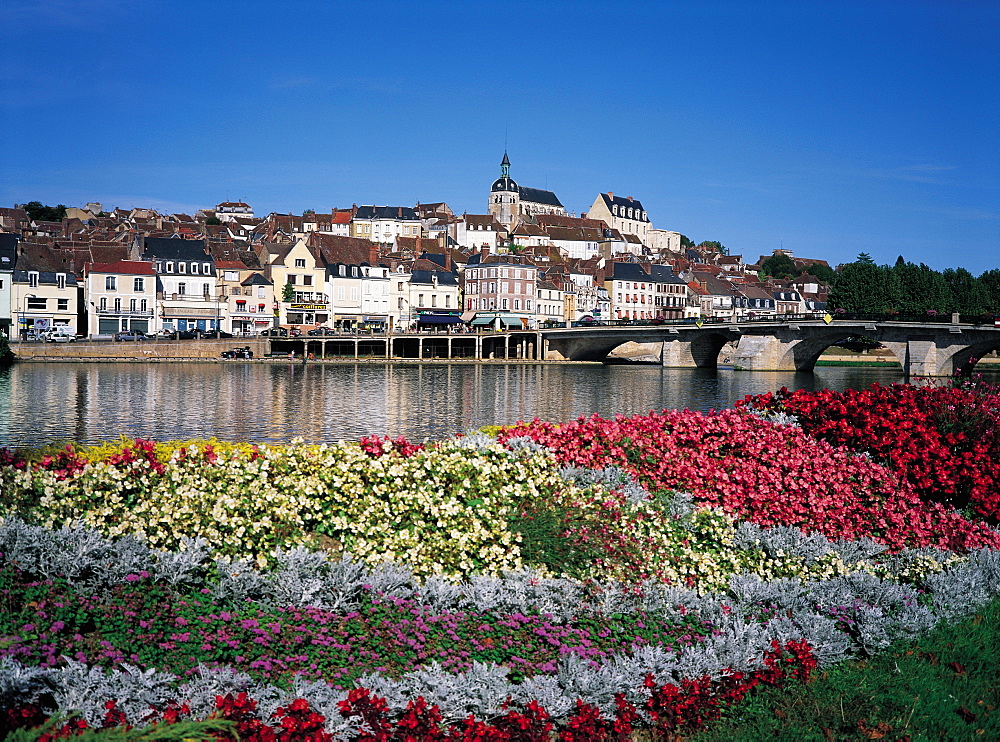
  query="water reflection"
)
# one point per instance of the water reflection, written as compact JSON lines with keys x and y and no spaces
{"x":91,"y":402}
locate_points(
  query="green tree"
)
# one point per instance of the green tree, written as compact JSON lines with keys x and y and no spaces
{"x":309,"y":212}
{"x":968,"y":294}
{"x":39,"y":212}
{"x":865,"y":288}
{"x":779,"y":266}
{"x":824,"y":273}
{"x":921,"y":289}
{"x":686,"y":242}
{"x":991,"y":280}
{"x":213,"y":220}
{"x":288,"y":292}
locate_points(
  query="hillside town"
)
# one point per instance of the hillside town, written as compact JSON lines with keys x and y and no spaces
{"x":526,"y":262}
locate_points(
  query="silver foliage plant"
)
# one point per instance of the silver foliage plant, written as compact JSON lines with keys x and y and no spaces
{"x":853,"y":615}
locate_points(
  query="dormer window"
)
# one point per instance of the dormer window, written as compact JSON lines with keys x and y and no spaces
{"x":60,"y":280}
{"x":194,"y":268}
{"x":182,"y":267}
{"x":170,"y":267}
{"x":33,"y":279}
{"x":206,"y":268}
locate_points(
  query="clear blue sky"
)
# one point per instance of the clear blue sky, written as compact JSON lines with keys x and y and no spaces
{"x":830,"y":128}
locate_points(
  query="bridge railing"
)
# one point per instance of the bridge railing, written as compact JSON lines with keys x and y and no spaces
{"x":987,"y":320}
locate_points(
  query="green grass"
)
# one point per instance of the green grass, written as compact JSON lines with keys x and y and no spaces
{"x":946,"y":686}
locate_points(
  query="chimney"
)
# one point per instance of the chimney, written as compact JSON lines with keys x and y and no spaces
{"x":629,"y":198}
{"x":611,"y":195}
{"x":399,"y":212}
{"x":373,"y":254}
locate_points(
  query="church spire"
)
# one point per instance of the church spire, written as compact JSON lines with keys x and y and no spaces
{"x":505,"y":166}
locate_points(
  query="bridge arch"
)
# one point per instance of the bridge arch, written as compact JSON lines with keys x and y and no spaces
{"x":804,"y":354}
{"x":964,"y":360}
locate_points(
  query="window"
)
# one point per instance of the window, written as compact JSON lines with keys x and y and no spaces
{"x":235,"y":291}
{"x":399,"y":286}
{"x":110,"y":283}
{"x":231,"y":275}
{"x":182,"y":267}
{"x":434,"y":300}
{"x":300,"y":262}
{"x":503,"y":303}
{"x":447,"y":300}
{"x":62,"y":305}
{"x":139,"y":285}
{"x":517,"y":305}
{"x":131,"y":305}
{"x":206,"y":269}
{"x":181,"y":288}
{"x":399,"y":303}
{"x":420,"y":300}
{"x":60,"y":280}
{"x":142,"y":305}
{"x":194,"y":269}
{"x":104,"y":304}
{"x":170,"y":267}
{"x":292,"y":278}
{"x":342,"y":294}
{"x":118,"y":303}
{"x":260,"y":292}
{"x":206,"y":289}
{"x":307,"y":280}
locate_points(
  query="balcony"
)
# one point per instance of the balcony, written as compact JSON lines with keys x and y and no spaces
{"x":124,"y":312}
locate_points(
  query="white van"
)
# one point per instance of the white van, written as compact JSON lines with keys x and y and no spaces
{"x":60,"y":334}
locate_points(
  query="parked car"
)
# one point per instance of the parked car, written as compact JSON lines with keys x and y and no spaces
{"x":243,"y":353}
{"x":131,"y":335}
{"x":60,"y":334}
{"x":321,"y":331}
{"x":275,"y":332}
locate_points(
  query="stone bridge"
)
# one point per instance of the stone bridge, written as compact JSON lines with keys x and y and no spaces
{"x":922,"y":349}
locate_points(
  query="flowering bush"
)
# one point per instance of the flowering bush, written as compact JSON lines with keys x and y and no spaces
{"x":765,"y":473}
{"x":943,"y":441}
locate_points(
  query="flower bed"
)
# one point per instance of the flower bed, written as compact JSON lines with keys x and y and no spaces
{"x":766,"y":473}
{"x":572,"y":582}
{"x":944,"y":441}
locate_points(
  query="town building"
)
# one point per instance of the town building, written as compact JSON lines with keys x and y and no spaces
{"x":510,"y":202}
{"x":627,"y":215}
{"x":120,"y":296}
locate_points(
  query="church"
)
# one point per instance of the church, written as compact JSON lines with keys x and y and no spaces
{"x":511,"y":203}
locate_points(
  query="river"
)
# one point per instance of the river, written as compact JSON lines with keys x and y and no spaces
{"x":47,"y":402}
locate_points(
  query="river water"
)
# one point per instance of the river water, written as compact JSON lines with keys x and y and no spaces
{"x":48,"y":402}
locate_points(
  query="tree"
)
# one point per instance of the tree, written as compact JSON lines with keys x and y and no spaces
{"x":309,"y":212}
{"x":968,"y":294}
{"x":213,"y":221}
{"x":921,"y":289}
{"x":824,"y":273}
{"x":38,"y":212}
{"x":779,"y":266}
{"x":991,"y":280}
{"x":686,"y":242}
{"x":288,"y":292}
{"x":865,"y":288}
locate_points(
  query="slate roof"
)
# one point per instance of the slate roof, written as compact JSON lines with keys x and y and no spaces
{"x":624,"y":203}
{"x":256,"y":279}
{"x":538,"y":196}
{"x":8,"y":251}
{"x":386,"y":212}
{"x":169,"y":248}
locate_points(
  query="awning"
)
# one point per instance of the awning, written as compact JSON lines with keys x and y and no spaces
{"x":508,"y":320}
{"x":439,"y":319}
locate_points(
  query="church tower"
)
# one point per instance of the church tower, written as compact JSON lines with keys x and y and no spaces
{"x":504,"y":195}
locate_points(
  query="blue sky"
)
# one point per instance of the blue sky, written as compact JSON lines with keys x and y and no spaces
{"x":828,"y":128}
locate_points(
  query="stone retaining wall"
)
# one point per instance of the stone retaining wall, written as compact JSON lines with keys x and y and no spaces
{"x":151,"y":350}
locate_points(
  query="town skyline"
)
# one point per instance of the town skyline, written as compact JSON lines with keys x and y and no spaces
{"x":828,"y":131}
